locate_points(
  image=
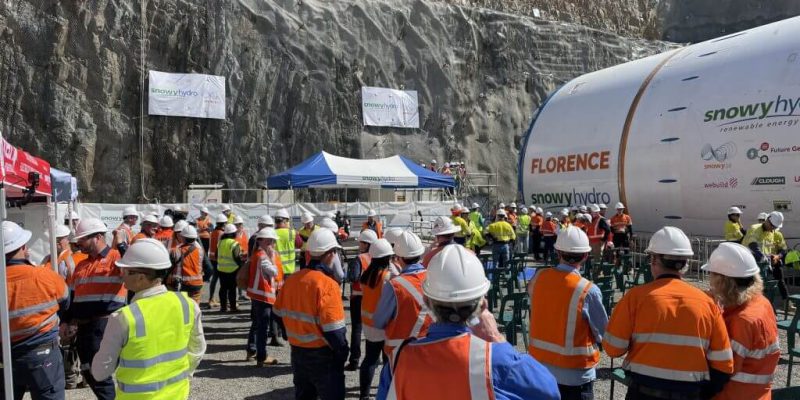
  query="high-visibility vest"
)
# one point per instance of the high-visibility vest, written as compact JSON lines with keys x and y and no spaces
{"x":140,"y":235}
{"x":285,"y":247}
{"x":305,"y":233}
{"x":418,"y":373}
{"x":260,"y":287}
{"x":213,"y":243}
{"x":594,"y":232}
{"x":620,"y":222}
{"x":165,"y":236}
{"x":65,"y":263}
{"x":733,"y":231}
{"x":670,"y":330}
{"x":203,"y":224}
{"x":378,"y":228}
{"x":501,"y":231}
{"x":559,"y":333}
{"x":99,"y":279}
{"x":225,"y":261}
{"x":756,"y":350}
{"x":412,"y":318}
{"x":524,"y":224}
{"x":33,"y":297}
{"x":548,"y":228}
{"x":154,"y":362}
{"x":477,"y":218}
{"x":537,"y":221}
{"x":190,"y":271}
{"x":369,"y":303}
{"x":242,"y":239}
{"x":364,"y":259}
{"x":461,"y":223}
{"x":304,"y":315}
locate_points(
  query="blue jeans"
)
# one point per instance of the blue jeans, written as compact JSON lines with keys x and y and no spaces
{"x":88,"y":342}
{"x":317,"y":374}
{"x":40,"y":371}
{"x":374,"y":352}
{"x":500,"y":255}
{"x":355,"y":329}
{"x":261,"y":318}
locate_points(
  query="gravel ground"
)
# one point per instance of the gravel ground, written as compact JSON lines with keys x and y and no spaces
{"x":224,"y":373}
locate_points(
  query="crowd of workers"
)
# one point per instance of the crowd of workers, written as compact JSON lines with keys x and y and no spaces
{"x":131,"y":307}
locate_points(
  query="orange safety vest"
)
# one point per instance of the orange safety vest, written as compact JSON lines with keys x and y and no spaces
{"x":203,"y":224}
{"x":559,"y":334}
{"x":756,"y":350}
{"x":669,"y":317}
{"x":378,"y":228}
{"x":124,"y":235}
{"x":512,"y":219}
{"x":548,"y":228}
{"x":213,"y":243}
{"x":369,"y":301}
{"x":77,"y":257}
{"x":356,"y":290}
{"x":191,"y":268}
{"x":594,"y":232}
{"x":260,"y":287}
{"x":537,"y":220}
{"x":412,"y":317}
{"x":165,"y":236}
{"x":620,"y":222}
{"x":242,"y":239}
{"x":33,"y":297}
{"x":99,"y":279}
{"x":140,"y":235}
{"x":418,"y":373}
{"x":310,"y":303}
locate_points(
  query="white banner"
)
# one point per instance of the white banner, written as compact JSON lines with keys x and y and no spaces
{"x":186,"y":95}
{"x":388,"y":107}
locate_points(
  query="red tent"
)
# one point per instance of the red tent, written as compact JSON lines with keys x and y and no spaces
{"x":17,"y":165}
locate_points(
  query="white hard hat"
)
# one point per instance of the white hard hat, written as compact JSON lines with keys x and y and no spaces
{"x":146,"y":253}
{"x":266,"y":220}
{"x":620,"y":206}
{"x":166,"y":222}
{"x":603,"y":206}
{"x":464,"y":210}
{"x":368,"y":236}
{"x":129,"y":212}
{"x":564,"y":212}
{"x":444,"y":226}
{"x":267,"y":233}
{"x":330,"y":224}
{"x":180,"y":226}
{"x":392,"y":234}
{"x":151,"y":219}
{"x":189,"y":232}
{"x":62,"y":231}
{"x":306,"y":218}
{"x":762,"y":215}
{"x":14,"y":236}
{"x":372,"y":213}
{"x":594,"y":208}
{"x":548,"y":215}
{"x":671,"y":241}
{"x":776,"y":219}
{"x":587,"y":217}
{"x":501,"y":213}
{"x":583,"y":209}
{"x":573,"y":240}
{"x":322,"y":240}
{"x":204,"y":209}
{"x":733,"y":260}
{"x":229,"y":228}
{"x":455,"y":275}
{"x":90,"y":226}
{"x":408,"y":245}
{"x":282,"y":213}
{"x":524,"y":210}
{"x":734,"y":210}
{"x":380,"y":248}
{"x":222,"y":219}
{"x":539,"y":210}
{"x":475,"y":205}
{"x":456,"y":207}
{"x":226,"y":207}
{"x":501,"y":205}
{"x":433,"y":161}
{"x":238,"y":220}
{"x":513,"y":205}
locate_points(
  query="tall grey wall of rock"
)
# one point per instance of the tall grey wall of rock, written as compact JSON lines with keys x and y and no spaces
{"x":71,"y":73}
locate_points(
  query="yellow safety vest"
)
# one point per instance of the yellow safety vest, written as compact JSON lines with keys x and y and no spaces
{"x":154,"y":363}
{"x":524,"y":224}
{"x":285,"y":247}
{"x":306,"y":233}
{"x":225,"y":261}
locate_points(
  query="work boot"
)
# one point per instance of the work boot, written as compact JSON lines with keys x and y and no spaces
{"x":250,"y":355}
{"x":351,"y":366}
{"x":266,"y":362}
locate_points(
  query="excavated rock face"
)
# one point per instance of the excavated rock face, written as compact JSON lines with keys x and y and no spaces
{"x":71,"y":73}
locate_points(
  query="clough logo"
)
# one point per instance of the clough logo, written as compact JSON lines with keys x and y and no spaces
{"x":769,"y":180}
{"x":571,"y":163}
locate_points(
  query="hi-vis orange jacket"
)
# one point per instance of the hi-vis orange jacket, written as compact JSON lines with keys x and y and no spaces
{"x":559,"y":334}
{"x":34,"y":294}
{"x":259,"y":287}
{"x":98,"y":280}
{"x":310,"y":303}
{"x":754,"y":340}
{"x":190,"y":270}
{"x":364,"y":259}
{"x":412,"y":318}
{"x":670,"y":330}
{"x":369,"y":304}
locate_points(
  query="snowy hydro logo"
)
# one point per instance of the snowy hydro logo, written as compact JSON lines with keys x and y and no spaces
{"x":379,"y":106}
{"x":779,"y":107}
{"x":174,"y":92}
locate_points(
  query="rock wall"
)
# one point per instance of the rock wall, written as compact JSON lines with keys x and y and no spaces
{"x":71,"y":77}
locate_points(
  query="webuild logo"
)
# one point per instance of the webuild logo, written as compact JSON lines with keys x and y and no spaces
{"x":566,"y":199}
{"x":174,"y":92}
{"x":730,"y":183}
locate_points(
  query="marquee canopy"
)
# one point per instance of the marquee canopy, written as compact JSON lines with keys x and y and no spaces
{"x":16,"y":168}
{"x":324,"y":170}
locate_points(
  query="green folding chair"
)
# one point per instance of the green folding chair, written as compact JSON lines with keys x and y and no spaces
{"x":514,"y":321}
{"x":792,"y":329}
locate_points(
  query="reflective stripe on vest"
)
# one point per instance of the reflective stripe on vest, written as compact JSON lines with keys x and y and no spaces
{"x":364,"y":259}
{"x":422,"y":316}
{"x":225,"y":261}
{"x":99,"y":280}
{"x":569,"y":333}
{"x":744,"y":352}
{"x":594,"y":232}
{"x":668,"y":374}
{"x":752,"y":378}
{"x":159,"y":330}
{"x":260,"y":287}
{"x":190,"y":270}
